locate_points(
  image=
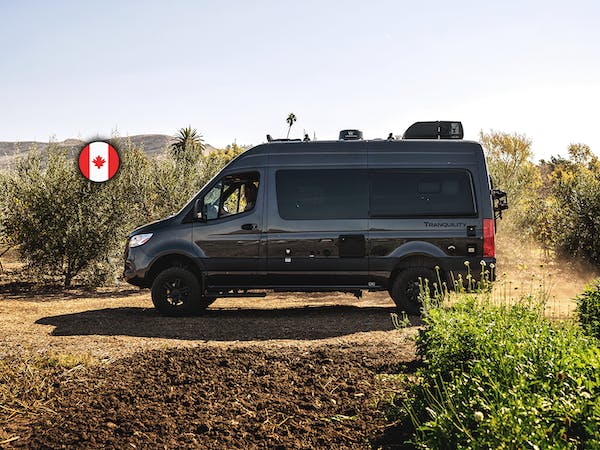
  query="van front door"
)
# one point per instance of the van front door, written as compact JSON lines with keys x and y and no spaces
{"x":229,"y":234}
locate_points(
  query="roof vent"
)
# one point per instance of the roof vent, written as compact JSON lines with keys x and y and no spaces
{"x":351,"y":135}
{"x":434,"y":130}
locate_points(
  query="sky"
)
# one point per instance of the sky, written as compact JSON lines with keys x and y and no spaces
{"x":234,"y":70}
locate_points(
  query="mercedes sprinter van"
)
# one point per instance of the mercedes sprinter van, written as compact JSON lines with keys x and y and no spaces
{"x":346,"y":215}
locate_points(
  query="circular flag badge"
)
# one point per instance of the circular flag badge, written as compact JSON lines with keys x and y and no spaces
{"x":98,"y":161}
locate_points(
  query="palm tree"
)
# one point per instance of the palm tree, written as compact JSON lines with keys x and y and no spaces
{"x":188,"y":144}
{"x":290,"y":121}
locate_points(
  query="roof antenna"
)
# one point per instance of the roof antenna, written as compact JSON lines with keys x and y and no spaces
{"x":390,"y":137}
{"x":306,"y":138}
{"x":269,"y":138}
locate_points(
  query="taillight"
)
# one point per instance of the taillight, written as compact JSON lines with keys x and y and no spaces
{"x":489,"y":246}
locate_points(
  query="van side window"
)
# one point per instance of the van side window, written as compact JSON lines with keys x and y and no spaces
{"x":322,"y":194}
{"x":232,"y":194}
{"x":431,"y":193}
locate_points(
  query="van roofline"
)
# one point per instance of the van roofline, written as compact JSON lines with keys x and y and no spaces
{"x":355,"y":142}
{"x":355,"y":149}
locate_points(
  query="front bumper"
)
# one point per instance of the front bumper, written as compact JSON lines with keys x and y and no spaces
{"x":136,"y":266}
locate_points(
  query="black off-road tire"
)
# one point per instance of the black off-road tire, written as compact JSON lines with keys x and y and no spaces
{"x":406,"y":288}
{"x":176,"y":291}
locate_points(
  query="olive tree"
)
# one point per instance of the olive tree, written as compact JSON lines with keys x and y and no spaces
{"x":574,"y":185}
{"x":72,"y":229}
{"x":509,"y":158}
{"x":65,"y":225}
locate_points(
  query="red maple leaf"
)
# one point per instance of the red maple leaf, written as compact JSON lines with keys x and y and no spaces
{"x":99,"y":161}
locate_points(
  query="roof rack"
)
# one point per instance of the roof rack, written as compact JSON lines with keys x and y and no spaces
{"x":440,"y":129}
{"x":270,"y":139}
{"x":434,"y":130}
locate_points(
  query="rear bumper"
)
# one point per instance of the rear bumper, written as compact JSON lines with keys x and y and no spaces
{"x":476,"y":269}
{"x":474,"y":266}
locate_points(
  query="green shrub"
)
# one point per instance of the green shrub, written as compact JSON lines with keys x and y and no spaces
{"x":581,"y":225}
{"x":510,"y":162}
{"x":588,"y":309}
{"x":63,"y":223}
{"x":68,"y":228}
{"x":566,"y":206}
{"x":5,"y":237}
{"x":504,"y":377}
{"x":173,"y":181}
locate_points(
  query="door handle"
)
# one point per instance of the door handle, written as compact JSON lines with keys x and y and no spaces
{"x":249,"y":227}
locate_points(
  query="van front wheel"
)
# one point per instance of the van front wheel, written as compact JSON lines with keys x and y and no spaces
{"x":176,"y":292}
{"x":406,"y":288}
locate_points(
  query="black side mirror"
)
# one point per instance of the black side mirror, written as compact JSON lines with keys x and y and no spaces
{"x":200,"y":210}
{"x":500,"y":202}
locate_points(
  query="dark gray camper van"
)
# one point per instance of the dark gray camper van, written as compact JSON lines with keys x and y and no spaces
{"x":346,"y":215}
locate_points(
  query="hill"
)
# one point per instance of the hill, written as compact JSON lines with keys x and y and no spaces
{"x":152,"y":144}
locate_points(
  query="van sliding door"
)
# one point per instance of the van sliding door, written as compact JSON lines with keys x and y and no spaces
{"x":317,"y":226}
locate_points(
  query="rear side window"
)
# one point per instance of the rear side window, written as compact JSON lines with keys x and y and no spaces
{"x":413,"y":193}
{"x":322,"y":194}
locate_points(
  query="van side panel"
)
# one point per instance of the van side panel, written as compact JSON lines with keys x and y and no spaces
{"x":446,"y":240}
{"x":314,"y":245}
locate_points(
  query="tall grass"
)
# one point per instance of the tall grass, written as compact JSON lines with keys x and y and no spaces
{"x":500,"y":374}
{"x":588,"y":309}
{"x":29,"y":384}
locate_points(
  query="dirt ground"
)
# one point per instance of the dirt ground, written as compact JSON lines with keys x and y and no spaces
{"x":216,"y":397}
{"x":111,"y":324}
{"x":285,"y":371}
{"x":525,"y":268}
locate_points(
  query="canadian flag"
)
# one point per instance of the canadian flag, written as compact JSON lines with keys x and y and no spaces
{"x":98,"y":161}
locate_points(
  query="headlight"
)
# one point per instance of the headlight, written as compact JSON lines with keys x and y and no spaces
{"x":139,"y":239}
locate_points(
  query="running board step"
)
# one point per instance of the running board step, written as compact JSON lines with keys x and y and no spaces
{"x":234,"y":294}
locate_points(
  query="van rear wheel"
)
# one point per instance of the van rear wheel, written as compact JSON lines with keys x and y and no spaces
{"x":406,"y":288}
{"x":176,"y":291}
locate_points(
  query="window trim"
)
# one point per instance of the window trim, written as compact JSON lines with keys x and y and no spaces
{"x":360,"y":170}
{"x":219,"y":180}
{"x":370,"y":172}
{"x":475,"y":212}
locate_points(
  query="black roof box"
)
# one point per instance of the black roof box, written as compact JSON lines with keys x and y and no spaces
{"x":434,"y":130}
{"x":351,"y":135}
